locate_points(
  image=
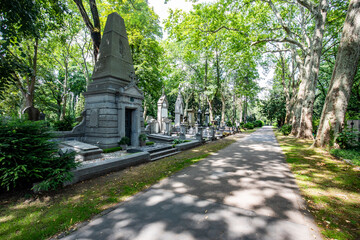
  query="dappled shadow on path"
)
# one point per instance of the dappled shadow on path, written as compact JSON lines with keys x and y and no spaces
{"x":245,"y":191}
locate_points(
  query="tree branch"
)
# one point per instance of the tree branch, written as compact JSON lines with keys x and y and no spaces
{"x":284,"y":40}
{"x":308,"y":5}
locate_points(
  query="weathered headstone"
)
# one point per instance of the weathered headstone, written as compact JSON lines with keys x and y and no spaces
{"x":179,"y":111}
{"x":191,"y":117}
{"x":162,"y":112}
{"x":32,"y":113}
{"x":113,"y":102}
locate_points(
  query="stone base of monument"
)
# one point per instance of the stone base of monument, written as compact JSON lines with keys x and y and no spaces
{"x":83,"y":151}
{"x":95,"y":169}
{"x":160,"y":138}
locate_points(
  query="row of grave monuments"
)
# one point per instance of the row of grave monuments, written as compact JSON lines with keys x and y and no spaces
{"x":183,"y":125}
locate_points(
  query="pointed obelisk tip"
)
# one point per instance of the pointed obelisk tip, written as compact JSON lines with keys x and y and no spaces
{"x":115,"y":60}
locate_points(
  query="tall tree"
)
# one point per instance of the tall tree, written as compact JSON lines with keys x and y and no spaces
{"x":346,"y":66}
{"x":94,"y":27}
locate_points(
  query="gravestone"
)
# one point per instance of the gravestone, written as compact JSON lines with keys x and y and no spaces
{"x":162,"y":112}
{"x":113,"y":102}
{"x":32,"y":113}
{"x":179,"y":111}
{"x":191,"y":117}
{"x":354,"y":125}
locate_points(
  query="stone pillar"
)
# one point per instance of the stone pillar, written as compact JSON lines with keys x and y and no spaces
{"x":199,"y":134}
{"x":182,"y":131}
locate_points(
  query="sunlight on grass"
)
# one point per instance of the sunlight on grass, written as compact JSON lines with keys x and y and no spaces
{"x":331,"y":187}
{"x":46,"y":215}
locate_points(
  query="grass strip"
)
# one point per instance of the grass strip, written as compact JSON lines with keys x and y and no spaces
{"x":42,"y":216}
{"x":330,"y":187}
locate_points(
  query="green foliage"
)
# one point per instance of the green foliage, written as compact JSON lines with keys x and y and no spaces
{"x":66,"y":124}
{"x":149,"y":143}
{"x":249,"y":125}
{"x":124,"y":141}
{"x":27,"y":156}
{"x":110,"y":150}
{"x":142,"y":137}
{"x":286,"y":129}
{"x":348,"y":139}
{"x":350,"y":154}
{"x":178,"y":141}
{"x":258,"y":123}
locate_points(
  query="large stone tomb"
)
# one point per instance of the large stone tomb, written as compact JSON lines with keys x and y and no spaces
{"x":113,"y":102}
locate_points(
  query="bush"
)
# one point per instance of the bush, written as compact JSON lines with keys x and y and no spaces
{"x":348,"y":139}
{"x":286,"y":129}
{"x":249,"y":125}
{"x":64,"y":125}
{"x":149,"y":143}
{"x":27,"y":156}
{"x":124,"y":141}
{"x":142,"y":137}
{"x":258,"y":123}
{"x":110,"y":150}
{"x":353,"y":155}
{"x":178,"y":141}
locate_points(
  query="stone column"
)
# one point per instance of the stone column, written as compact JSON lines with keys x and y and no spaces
{"x":182,"y":131}
{"x":199,"y":134}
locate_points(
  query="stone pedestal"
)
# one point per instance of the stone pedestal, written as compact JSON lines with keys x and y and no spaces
{"x":162,"y":111}
{"x":167,"y":123}
{"x":182,"y":131}
{"x":199,"y":134}
{"x":179,"y":110}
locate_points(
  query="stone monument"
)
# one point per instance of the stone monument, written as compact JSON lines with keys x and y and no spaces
{"x":179,"y":111}
{"x":191,"y":117}
{"x":162,"y":111}
{"x":113,"y":102}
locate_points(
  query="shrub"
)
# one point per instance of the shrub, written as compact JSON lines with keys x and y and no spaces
{"x":142,"y":137}
{"x":351,"y":154}
{"x":110,"y":150}
{"x":150,"y":143}
{"x":258,"y":123}
{"x":27,"y":156}
{"x":249,"y":125}
{"x":64,"y":125}
{"x":286,"y":129}
{"x":178,"y":141}
{"x":348,"y":139}
{"x":124,"y":141}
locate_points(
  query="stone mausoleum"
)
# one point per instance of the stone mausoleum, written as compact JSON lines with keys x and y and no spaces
{"x":113,"y":102}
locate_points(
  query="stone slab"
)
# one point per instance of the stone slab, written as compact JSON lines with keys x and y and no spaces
{"x":91,"y":170}
{"x":187,"y":145}
{"x":84,"y":151}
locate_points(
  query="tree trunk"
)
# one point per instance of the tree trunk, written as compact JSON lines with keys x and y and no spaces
{"x":305,"y":128}
{"x":223,"y":106}
{"x":211,"y":114}
{"x":346,"y":65}
{"x":65,"y":92}
{"x":94,"y":29}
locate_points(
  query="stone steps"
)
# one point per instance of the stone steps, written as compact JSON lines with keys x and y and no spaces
{"x":163,"y":153}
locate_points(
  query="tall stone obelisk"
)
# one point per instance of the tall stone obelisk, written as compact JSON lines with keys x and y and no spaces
{"x":113,"y":103}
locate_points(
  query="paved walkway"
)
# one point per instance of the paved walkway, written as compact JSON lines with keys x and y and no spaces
{"x":245,"y":191}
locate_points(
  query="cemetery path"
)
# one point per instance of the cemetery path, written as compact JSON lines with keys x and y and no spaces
{"x":245,"y":191}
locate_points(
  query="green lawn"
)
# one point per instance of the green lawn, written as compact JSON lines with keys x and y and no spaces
{"x":42,"y":216}
{"x":330,"y":186}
